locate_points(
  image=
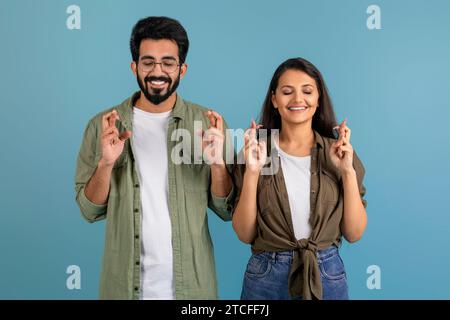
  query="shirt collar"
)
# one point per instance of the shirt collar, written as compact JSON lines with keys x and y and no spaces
{"x":318,"y":138}
{"x":125,"y":109}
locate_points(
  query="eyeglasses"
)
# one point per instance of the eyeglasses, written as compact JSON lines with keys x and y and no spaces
{"x":168,"y":66}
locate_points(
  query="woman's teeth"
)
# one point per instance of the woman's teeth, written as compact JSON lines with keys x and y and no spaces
{"x":296,"y":108}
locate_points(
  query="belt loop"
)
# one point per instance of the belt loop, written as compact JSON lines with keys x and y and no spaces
{"x":274,"y":256}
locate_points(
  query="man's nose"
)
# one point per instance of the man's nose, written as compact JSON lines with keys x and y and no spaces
{"x":157,"y":70}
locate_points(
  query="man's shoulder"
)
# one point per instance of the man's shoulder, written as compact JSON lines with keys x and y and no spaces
{"x":194,"y":107}
{"x":197,"y":111}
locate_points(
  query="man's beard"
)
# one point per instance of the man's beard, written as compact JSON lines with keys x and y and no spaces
{"x":156,"y":98}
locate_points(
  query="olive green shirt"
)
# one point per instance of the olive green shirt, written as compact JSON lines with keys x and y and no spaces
{"x":275,"y":230}
{"x":189,"y":196}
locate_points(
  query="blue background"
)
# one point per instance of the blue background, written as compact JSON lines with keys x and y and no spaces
{"x":392,"y":84}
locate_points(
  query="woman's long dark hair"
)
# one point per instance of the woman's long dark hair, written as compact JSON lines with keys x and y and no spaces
{"x":323,"y":120}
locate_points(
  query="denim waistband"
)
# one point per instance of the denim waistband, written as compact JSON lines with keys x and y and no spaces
{"x":287,"y":255}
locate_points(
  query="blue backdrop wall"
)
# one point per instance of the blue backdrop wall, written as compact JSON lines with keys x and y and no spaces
{"x":392,"y":84}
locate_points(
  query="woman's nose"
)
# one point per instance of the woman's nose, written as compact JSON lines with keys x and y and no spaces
{"x":299,"y":97}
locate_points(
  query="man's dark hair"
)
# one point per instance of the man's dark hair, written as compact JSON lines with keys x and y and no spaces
{"x":158,"y":28}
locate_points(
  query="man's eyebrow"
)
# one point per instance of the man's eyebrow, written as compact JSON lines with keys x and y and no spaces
{"x":169,"y":58}
{"x":148,"y":57}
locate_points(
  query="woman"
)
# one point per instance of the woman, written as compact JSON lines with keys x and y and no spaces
{"x":295,"y":214}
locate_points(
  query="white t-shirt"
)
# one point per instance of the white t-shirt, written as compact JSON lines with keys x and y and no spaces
{"x":297,"y":176}
{"x":150,"y":151}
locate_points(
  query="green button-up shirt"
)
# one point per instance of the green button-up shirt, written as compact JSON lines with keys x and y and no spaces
{"x":189,"y":196}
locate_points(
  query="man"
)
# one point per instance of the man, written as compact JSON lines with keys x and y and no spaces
{"x":157,"y":242}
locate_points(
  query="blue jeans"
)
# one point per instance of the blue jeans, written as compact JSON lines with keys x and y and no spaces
{"x":266,"y":276}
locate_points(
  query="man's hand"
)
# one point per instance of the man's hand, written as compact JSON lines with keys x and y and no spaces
{"x":213,"y":139}
{"x":112,"y":142}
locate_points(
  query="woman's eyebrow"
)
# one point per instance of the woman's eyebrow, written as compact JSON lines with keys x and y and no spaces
{"x":292,"y":87}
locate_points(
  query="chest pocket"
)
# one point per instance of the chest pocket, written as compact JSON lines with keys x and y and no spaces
{"x":330,"y":187}
{"x":263,"y":195}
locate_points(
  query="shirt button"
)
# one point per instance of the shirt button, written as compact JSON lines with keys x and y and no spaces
{"x":136,"y":289}
{"x":136,"y":236}
{"x":136,"y":210}
{"x":136,"y":185}
{"x":313,"y":191}
{"x":137,"y":263}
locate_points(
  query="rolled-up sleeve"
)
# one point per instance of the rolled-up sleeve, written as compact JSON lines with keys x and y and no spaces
{"x":360,"y":173}
{"x":86,"y":165}
{"x":237,"y":175}
{"x":91,"y":211}
{"x":222,"y":206}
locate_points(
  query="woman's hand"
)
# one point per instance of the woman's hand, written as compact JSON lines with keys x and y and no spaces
{"x":254,"y":151}
{"x":341,"y":151}
{"x":354,"y":219}
{"x":244,"y":216}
